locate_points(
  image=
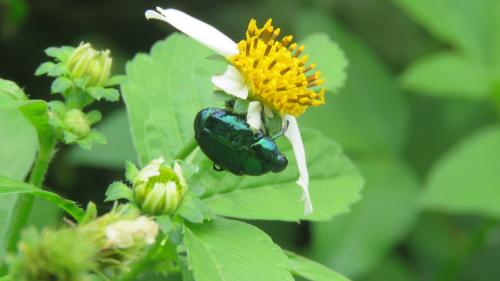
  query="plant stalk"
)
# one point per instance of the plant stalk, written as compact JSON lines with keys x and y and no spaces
{"x":187,"y":150}
{"x":24,"y":203}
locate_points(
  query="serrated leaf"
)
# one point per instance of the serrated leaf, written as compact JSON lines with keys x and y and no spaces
{"x":466,"y":179}
{"x":118,"y":190}
{"x":447,"y":75}
{"x":227,"y":250}
{"x":44,"y":68}
{"x":369,"y":101}
{"x":110,"y":94}
{"x":60,"y":53}
{"x":312,"y":270}
{"x":164,"y":223}
{"x":194,"y":210}
{"x":115,"y":80}
{"x":163,"y":92}
{"x":9,"y":186}
{"x":330,"y":59}
{"x":57,"y":70}
{"x":131,"y":171}
{"x":87,"y":142}
{"x":334,"y":185}
{"x":60,"y":85}
{"x":389,"y":199}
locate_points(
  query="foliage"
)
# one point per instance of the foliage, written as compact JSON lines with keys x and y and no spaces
{"x":402,"y":156}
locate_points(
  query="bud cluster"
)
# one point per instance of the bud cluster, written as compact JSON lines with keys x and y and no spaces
{"x":82,"y":76}
{"x":106,"y":245}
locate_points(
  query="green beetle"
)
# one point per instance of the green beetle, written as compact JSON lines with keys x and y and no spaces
{"x":231,"y":144}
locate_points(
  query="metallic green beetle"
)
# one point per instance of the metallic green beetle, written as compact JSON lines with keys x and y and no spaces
{"x":229,"y":142}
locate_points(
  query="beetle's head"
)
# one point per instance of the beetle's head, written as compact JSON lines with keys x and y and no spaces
{"x":280,"y":163}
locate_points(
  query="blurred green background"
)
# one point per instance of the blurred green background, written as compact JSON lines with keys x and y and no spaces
{"x":418,"y":115}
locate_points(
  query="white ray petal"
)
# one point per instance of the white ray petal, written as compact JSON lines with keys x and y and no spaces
{"x":268,"y":112}
{"x":293,"y":135}
{"x":196,"y":29}
{"x":254,"y":115}
{"x":231,"y":82}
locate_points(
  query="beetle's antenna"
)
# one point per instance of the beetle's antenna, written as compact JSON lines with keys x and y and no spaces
{"x":282,"y":131}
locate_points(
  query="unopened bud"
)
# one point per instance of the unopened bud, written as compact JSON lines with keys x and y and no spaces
{"x":76,"y":122}
{"x":128,"y":233}
{"x":88,"y":63}
{"x":159,"y":188}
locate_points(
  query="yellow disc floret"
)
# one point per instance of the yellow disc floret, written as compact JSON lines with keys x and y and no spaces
{"x":275,"y":71}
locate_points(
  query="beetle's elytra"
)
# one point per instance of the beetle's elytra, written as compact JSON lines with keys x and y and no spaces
{"x":230,"y":143}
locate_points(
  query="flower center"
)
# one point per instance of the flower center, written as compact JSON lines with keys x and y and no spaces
{"x":275,"y":71}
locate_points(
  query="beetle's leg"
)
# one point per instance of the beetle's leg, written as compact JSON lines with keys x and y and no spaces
{"x":217,"y":168}
{"x":282,"y":131}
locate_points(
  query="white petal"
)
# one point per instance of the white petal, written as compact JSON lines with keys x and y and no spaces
{"x":151,"y":170}
{"x":254,"y":117}
{"x":179,"y":173}
{"x":293,"y":135}
{"x":196,"y":29}
{"x":268,"y":112}
{"x":231,"y":82}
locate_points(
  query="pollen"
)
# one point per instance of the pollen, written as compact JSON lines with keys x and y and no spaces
{"x":276,"y":71}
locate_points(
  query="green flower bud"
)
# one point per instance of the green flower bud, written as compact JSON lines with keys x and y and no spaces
{"x":63,"y":254}
{"x":76,"y":122}
{"x":85,"y":62}
{"x":158,"y":188}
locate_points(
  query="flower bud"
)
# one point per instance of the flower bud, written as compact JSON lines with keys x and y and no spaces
{"x":76,"y":122}
{"x":138,"y":232}
{"x":159,"y":188}
{"x":88,"y":63}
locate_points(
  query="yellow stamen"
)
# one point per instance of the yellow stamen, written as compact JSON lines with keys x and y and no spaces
{"x":275,"y":72}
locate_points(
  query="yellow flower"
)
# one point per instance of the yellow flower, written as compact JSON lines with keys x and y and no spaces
{"x":275,"y":71}
{"x":271,"y":73}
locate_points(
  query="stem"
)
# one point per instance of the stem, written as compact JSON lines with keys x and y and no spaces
{"x":24,"y":203}
{"x":187,"y":150}
{"x":139,"y":266}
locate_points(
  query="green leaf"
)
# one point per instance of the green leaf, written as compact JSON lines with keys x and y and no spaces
{"x":227,"y":250}
{"x":389,"y":201}
{"x":447,"y":75}
{"x":44,"y":68}
{"x":60,"y":85}
{"x":131,"y":171}
{"x":312,"y":270}
{"x":330,"y":59}
{"x":194,"y":210}
{"x":18,"y":145}
{"x":334,"y":185}
{"x":57,"y":70}
{"x":472,"y":26}
{"x":118,"y":148}
{"x":115,"y":80}
{"x":370,"y":102}
{"x":393,"y":268}
{"x":11,"y":89}
{"x":118,"y":190}
{"x":60,"y":53}
{"x":163,"y":92}
{"x":466,"y":179}
{"x":9,"y":186}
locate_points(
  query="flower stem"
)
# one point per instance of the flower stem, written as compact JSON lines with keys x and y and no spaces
{"x":187,"y":150}
{"x":24,"y":203}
